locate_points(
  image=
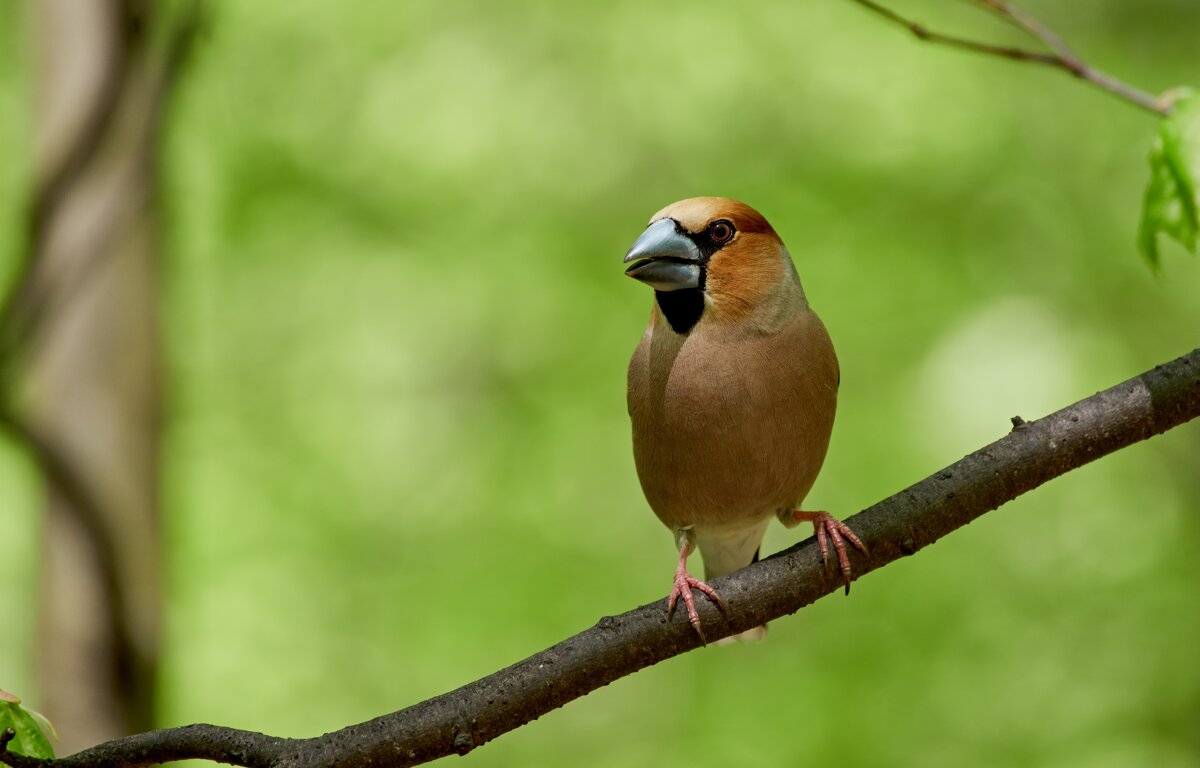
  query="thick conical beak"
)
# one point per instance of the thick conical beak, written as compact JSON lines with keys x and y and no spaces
{"x":664,"y":258}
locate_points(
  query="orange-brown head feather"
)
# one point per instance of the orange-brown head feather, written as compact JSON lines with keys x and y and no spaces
{"x":749,"y":272}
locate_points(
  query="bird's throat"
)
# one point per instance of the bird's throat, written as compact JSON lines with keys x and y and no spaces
{"x":681,"y":308}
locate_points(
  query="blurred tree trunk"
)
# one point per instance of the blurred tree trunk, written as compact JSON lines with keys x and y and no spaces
{"x":83,"y":360}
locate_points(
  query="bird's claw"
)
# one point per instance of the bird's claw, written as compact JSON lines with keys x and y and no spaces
{"x":684,"y":584}
{"x":829,"y":528}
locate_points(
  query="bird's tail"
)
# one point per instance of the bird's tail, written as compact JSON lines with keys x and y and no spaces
{"x":726,"y":552}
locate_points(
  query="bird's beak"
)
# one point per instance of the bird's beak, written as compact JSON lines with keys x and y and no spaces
{"x":664,"y":258}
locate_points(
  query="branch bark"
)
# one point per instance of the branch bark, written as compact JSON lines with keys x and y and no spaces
{"x":461,"y":720}
{"x":1061,"y":56}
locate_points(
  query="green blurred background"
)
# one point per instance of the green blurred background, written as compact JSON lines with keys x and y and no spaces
{"x":398,"y":456}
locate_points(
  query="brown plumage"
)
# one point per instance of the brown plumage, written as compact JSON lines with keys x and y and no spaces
{"x":732,"y":390}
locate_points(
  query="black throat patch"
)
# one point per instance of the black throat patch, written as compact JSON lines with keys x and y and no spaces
{"x":681,"y":308}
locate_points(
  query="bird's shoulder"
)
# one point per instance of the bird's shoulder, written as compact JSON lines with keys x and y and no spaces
{"x":719,"y":362}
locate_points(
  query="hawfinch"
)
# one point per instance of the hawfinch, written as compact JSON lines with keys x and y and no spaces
{"x":732,"y":390}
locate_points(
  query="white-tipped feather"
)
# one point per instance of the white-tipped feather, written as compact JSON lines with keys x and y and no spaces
{"x":727,"y":551}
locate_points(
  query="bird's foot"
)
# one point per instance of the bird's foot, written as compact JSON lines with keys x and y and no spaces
{"x":829,"y":528}
{"x":684,"y":584}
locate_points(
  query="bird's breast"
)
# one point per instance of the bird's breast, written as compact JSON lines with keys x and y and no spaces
{"x":730,"y":428}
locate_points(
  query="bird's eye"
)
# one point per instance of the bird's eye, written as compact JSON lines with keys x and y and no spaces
{"x":721,"y":231}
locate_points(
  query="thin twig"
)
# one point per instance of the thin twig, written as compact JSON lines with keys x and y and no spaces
{"x":924,"y":33}
{"x":1062,"y":56}
{"x":1034,"y":27}
{"x":461,"y":720}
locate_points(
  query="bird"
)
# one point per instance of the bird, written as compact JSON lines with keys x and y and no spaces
{"x":732,"y":392}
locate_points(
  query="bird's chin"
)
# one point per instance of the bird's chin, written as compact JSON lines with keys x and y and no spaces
{"x":666,"y":274}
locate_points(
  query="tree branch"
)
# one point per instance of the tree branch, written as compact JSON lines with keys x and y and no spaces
{"x":1062,"y":56}
{"x":459,"y":721}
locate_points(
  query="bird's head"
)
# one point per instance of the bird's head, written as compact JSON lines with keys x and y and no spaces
{"x":713,"y":255}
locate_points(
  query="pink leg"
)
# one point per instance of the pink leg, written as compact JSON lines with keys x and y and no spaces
{"x":684,"y":584}
{"x":827,"y":525}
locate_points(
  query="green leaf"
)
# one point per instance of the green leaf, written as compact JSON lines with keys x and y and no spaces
{"x":1172,"y":202}
{"x":29,"y":740}
{"x":43,"y":723}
